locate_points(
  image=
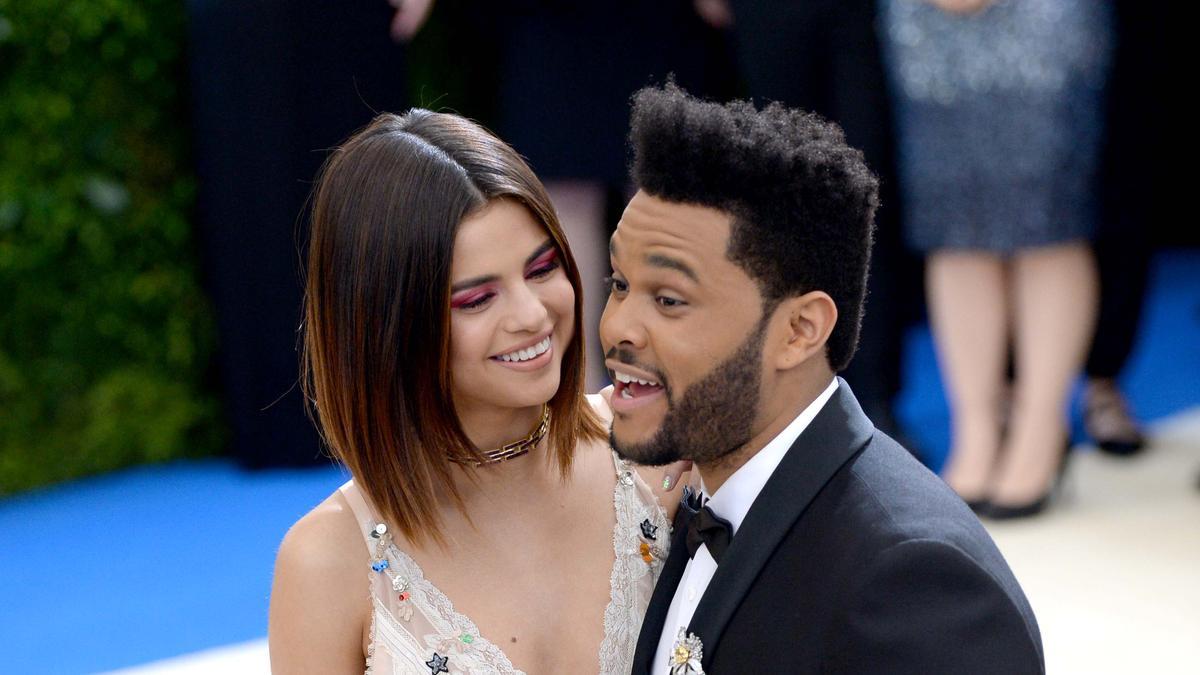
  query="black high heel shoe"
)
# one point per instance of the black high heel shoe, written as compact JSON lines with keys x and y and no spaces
{"x":1107,"y":421}
{"x":1005,"y":512}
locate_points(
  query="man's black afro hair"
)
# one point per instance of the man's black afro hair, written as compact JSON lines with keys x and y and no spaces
{"x":802,"y":201}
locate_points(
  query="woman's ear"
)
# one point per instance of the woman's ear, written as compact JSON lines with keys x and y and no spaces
{"x":808,"y":321}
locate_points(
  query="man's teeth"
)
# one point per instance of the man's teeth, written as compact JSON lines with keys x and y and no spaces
{"x":528,"y":353}
{"x":626,"y":379}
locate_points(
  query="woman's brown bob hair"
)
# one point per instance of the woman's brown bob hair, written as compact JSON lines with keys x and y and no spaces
{"x":386,"y":208}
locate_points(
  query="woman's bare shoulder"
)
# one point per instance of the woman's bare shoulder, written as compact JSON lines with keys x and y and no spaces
{"x":326,"y":538}
{"x":599,"y":403}
{"x":320,"y":600}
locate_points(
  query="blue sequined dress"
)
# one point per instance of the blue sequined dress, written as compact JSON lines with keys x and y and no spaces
{"x":999,"y":120}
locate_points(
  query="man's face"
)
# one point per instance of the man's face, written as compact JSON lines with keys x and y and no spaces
{"x":683,"y":334}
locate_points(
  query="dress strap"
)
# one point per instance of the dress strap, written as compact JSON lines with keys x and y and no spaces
{"x":363,"y":513}
{"x":619,"y":464}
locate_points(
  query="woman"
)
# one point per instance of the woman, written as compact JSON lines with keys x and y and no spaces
{"x":488,"y":527}
{"x":998,"y":109}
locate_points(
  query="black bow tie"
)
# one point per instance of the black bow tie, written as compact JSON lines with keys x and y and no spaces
{"x":710,"y":529}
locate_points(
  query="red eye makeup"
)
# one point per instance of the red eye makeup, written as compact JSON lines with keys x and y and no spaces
{"x":471,"y":298}
{"x":543,"y":264}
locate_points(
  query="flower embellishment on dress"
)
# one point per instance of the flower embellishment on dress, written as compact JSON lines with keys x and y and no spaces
{"x":404,"y":608}
{"x":687,"y":654}
{"x":456,"y":644}
{"x":380,"y":563}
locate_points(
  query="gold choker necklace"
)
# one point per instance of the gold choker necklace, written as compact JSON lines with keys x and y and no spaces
{"x":514,"y":449}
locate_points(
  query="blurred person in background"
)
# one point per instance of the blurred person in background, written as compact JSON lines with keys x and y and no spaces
{"x":999,"y":119}
{"x":823,"y":56}
{"x":1130,"y":213}
{"x":273,"y":85}
{"x":488,"y":526}
{"x":564,"y":72}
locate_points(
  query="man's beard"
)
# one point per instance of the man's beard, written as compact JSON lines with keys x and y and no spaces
{"x":713,"y":418}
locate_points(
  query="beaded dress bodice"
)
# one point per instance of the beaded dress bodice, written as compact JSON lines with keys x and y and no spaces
{"x":415,"y":629}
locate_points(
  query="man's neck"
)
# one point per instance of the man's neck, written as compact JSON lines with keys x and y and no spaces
{"x":777,"y":410}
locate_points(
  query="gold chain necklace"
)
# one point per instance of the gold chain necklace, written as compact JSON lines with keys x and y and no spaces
{"x":514,"y":449}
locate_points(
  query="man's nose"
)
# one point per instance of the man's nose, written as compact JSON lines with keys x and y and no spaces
{"x":620,"y":325}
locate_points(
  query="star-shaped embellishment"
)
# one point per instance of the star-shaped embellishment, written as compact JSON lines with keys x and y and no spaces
{"x":437,"y":664}
{"x":649,"y":530}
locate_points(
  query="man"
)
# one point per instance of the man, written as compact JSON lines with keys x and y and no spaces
{"x":817,"y":543}
{"x":823,"y":56}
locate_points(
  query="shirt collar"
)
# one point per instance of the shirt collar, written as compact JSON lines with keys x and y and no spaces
{"x":733,"y":499}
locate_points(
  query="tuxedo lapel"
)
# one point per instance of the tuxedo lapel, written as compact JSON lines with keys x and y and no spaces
{"x":664,"y":589}
{"x":837,"y":433}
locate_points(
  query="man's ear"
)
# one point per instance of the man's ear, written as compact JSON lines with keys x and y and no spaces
{"x":806,"y":322}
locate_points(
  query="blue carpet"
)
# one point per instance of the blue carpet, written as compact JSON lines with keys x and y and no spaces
{"x":159,"y":561}
{"x":144,"y":564}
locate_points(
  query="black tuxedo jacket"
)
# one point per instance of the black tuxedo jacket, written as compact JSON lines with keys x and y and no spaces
{"x":854,"y":558}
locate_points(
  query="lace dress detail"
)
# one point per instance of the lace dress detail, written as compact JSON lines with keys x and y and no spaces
{"x":416,"y":630}
{"x":641,"y":538}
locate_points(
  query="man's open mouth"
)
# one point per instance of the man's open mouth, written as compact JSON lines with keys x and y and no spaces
{"x":628,"y":387}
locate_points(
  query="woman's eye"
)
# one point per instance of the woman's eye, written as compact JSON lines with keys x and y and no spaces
{"x":546,"y":263}
{"x":472,"y":302}
{"x":613,"y":285}
{"x":542,"y":270}
{"x":670,"y":302}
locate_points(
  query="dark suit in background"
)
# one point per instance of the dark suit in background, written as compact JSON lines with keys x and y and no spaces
{"x":823,"y":56}
{"x":854,"y":559}
{"x":274,"y":85}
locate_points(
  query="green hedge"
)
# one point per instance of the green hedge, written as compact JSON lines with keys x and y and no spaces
{"x":104,"y":333}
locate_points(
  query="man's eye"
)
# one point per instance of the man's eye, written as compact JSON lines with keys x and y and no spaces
{"x":613,"y":285}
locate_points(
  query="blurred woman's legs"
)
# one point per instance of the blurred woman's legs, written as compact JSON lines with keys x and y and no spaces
{"x":967,"y":293}
{"x":581,"y":206}
{"x":1055,"y":292}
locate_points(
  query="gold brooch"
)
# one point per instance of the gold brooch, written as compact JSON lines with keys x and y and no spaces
{"x":687,"y":654}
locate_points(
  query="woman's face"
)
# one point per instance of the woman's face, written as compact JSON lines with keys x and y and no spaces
{"x":512,"y":311}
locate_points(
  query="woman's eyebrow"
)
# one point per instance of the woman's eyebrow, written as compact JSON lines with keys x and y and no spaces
{"x":489,"y":278}
{"x":473,"y":281}
{"x":537,"y":252}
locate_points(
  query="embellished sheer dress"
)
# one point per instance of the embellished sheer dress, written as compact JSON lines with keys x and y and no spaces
{"x":415,"y":629}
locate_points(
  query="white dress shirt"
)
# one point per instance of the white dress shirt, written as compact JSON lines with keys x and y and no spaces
{"x":732,"y":501}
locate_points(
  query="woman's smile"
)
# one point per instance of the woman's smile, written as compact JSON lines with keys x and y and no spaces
{"x":528,"y":357}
